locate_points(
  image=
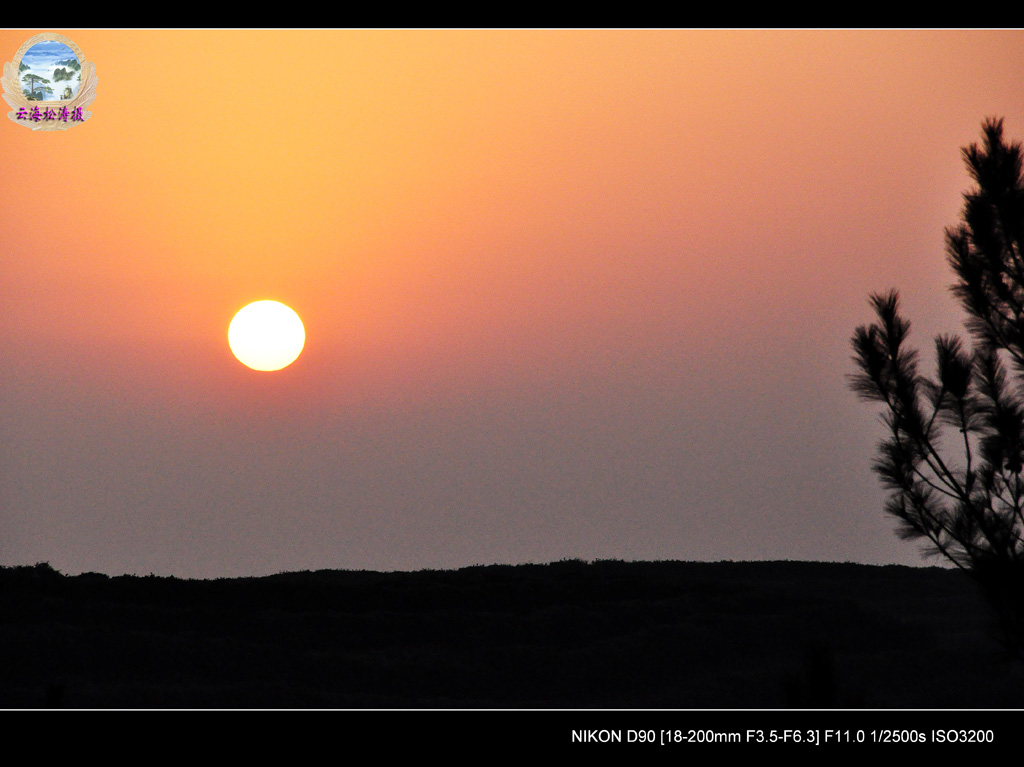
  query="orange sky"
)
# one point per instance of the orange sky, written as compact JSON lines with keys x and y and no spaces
{"x":569,"y":274}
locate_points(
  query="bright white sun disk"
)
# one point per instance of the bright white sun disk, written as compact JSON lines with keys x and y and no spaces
{"x":266,"y":335}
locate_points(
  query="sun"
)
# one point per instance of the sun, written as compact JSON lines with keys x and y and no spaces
{"x":266,"y":335}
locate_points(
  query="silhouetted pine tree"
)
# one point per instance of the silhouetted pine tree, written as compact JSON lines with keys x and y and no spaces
{"x":955,"y":448}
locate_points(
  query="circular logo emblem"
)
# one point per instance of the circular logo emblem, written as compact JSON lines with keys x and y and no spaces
{"x":49,"y":84}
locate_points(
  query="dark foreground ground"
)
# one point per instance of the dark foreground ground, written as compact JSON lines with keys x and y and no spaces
{"x":565,"y":635}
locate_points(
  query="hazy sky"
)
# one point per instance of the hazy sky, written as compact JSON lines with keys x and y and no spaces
{"x":566,"y":293}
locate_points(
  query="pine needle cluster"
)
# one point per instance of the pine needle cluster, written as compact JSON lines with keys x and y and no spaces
{"x":954,"y":451}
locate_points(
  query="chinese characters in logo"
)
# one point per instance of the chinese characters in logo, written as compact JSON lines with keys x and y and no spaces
{"x":62,"y":114}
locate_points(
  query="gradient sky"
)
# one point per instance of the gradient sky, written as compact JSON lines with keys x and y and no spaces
{"x":566,"y":293}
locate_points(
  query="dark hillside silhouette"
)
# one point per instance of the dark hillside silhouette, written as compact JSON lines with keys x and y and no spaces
{"x":963,"y":495}
{"x":566,"y":635}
